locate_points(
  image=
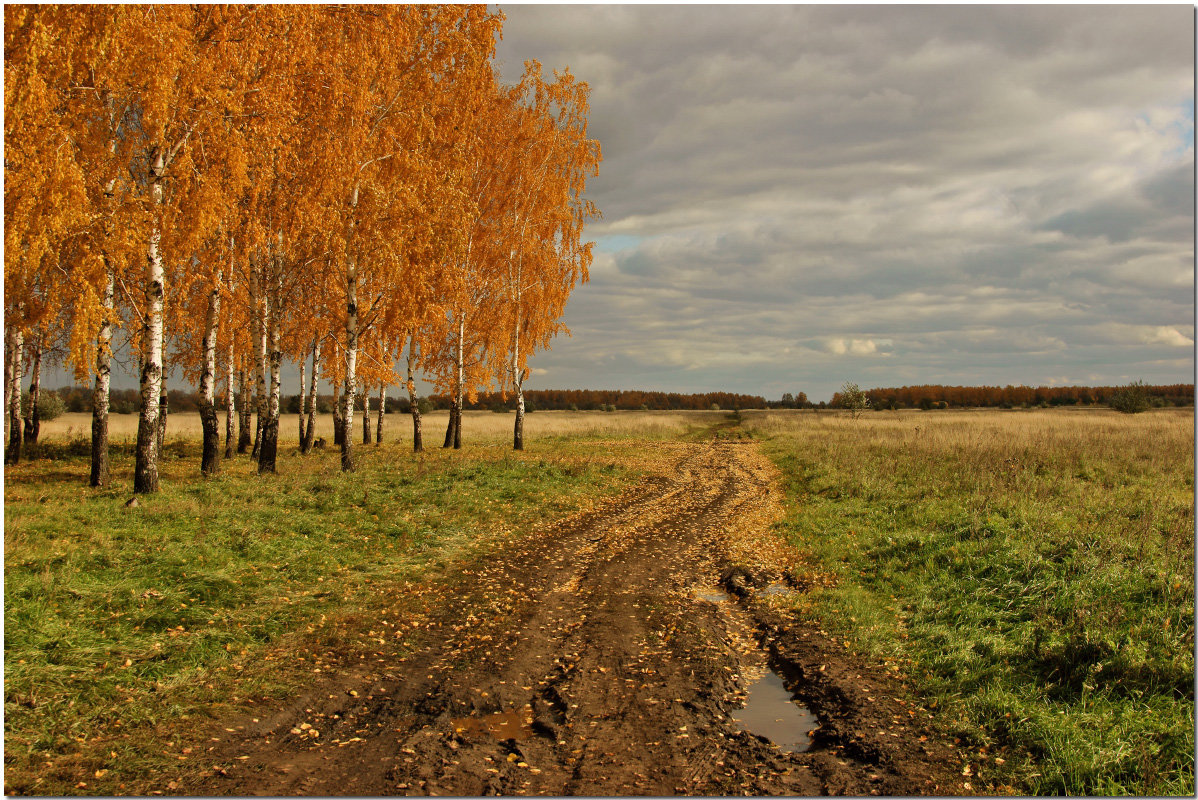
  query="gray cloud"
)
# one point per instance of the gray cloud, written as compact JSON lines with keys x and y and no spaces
{"x":796,"y":196}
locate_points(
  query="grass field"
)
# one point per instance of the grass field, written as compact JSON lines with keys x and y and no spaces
{"x":128,"y":630}
{"x":486,"y":426}
{"x":1032,"y":571}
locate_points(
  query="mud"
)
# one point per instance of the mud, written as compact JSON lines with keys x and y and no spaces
{"x":601,"y":657}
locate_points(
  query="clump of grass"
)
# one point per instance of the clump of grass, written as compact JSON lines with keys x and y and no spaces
{"x":1032,"y":571}
{"x":127,"y":625}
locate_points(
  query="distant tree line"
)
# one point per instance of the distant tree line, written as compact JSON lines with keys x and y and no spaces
{"x":78,"y":399}
{"x":930,"y":397}
{"x":616,"y":400}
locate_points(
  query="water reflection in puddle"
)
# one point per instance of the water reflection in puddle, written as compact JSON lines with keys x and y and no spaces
{"x":777,"y":589}
{"x":771,"y":711}
{"x":504,"y":725}
{"x":713,"y":595}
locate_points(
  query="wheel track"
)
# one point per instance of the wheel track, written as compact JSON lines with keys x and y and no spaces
{"x":590,"y":631}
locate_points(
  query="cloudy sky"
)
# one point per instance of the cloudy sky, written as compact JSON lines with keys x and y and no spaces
{"x":794,"y":197}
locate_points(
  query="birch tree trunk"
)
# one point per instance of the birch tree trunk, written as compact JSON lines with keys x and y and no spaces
{"x":461,"y":384}
{"x":457,"y":425}
{"x":13,"y":454}
{"x":303,"y":402}
{"x":413,"y":400}
{"x":453,"y":431}
{"x":243,"y":419}
{"x":268,"y":452}
{"x":378,"y":433}
{"x":162,"y":411}
{"x":260,"y":398}
{"x":100,"y":396}
{"x":338,"y":419}
{"x":453,"y":419}
{"x":210,"y":459}
{"x":518,"y":436}
{"x":518,"y":382}
{"x":9,"y":361}
{"x":230,"y":406}
{"x":310,"y":433}
{"x":33,"y":418}
{"x":145,"y":470}
{"x":365,"y":415}
{"x":351,"y":360}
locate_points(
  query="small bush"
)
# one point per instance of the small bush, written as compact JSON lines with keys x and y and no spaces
{"x":853,"y":399}
{"x":1131,"y":399}
{"x":49,"y":405}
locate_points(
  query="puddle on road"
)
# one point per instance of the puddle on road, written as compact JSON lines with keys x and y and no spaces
{"x":713,"y":595}
{"x":771,"y":711}
{"x":777,"y":589}
{"x":504,"y":725}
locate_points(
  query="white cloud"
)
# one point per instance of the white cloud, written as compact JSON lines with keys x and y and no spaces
{"x":1171,"y":337}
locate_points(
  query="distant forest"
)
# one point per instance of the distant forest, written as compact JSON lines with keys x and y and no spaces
{"x":934,"y":396}
{"x":929,"y":397}
{"x":127,"y":401}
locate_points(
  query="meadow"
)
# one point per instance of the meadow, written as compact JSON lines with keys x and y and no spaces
{"x":130,"y":631}
{"x":1030,"y":571}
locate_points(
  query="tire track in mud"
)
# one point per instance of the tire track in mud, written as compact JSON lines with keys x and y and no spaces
{"x":579,"y":661}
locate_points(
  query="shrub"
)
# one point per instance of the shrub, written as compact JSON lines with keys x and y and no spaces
{"x":49,"y":405}
{"x":122,"y":405}
{"x":853,"y":399}
{"x":1131,"y":399}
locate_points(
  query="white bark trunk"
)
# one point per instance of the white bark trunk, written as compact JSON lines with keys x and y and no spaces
{"x":303,"y":399}
{"x":210,"y":459}
{"x":100,"y":396}
{"x":351,"y":365}
{"x":518,"y":379}
{"x":413,"y":400}
{"x":382,"y":409}
{"x":351,"y":347}
{"x":13,"y":452}
{"x":230,"y":405}
{"x":310,"y":410}
{"x":145,"y":476}
{"x":261,"y":313}
{"x":365,"y":415}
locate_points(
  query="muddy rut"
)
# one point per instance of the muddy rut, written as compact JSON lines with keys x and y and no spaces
{"x":598,"y":657}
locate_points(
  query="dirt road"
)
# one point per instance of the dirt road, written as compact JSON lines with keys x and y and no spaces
{"x":600,"y":657}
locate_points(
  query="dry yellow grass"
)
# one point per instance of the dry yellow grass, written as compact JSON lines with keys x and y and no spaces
{"x":477,"y":426}
{"x":997,"y":433}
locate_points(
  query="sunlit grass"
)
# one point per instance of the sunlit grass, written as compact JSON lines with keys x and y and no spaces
{"x":1031,"y":570}
{"x":477,"y":426}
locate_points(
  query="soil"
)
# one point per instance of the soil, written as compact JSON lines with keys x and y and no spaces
{"x":596,"y":657}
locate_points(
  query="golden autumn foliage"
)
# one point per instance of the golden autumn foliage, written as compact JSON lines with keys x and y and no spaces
{"x":259,"y":182}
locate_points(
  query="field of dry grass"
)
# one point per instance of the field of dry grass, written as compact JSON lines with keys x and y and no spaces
{"x":477,"y":426}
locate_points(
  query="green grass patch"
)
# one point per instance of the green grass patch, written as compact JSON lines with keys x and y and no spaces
{"x":1032,"y":573}
{"x":127,"y":630}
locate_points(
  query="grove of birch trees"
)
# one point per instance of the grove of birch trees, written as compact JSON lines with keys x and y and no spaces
{"x":231,"y":187}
